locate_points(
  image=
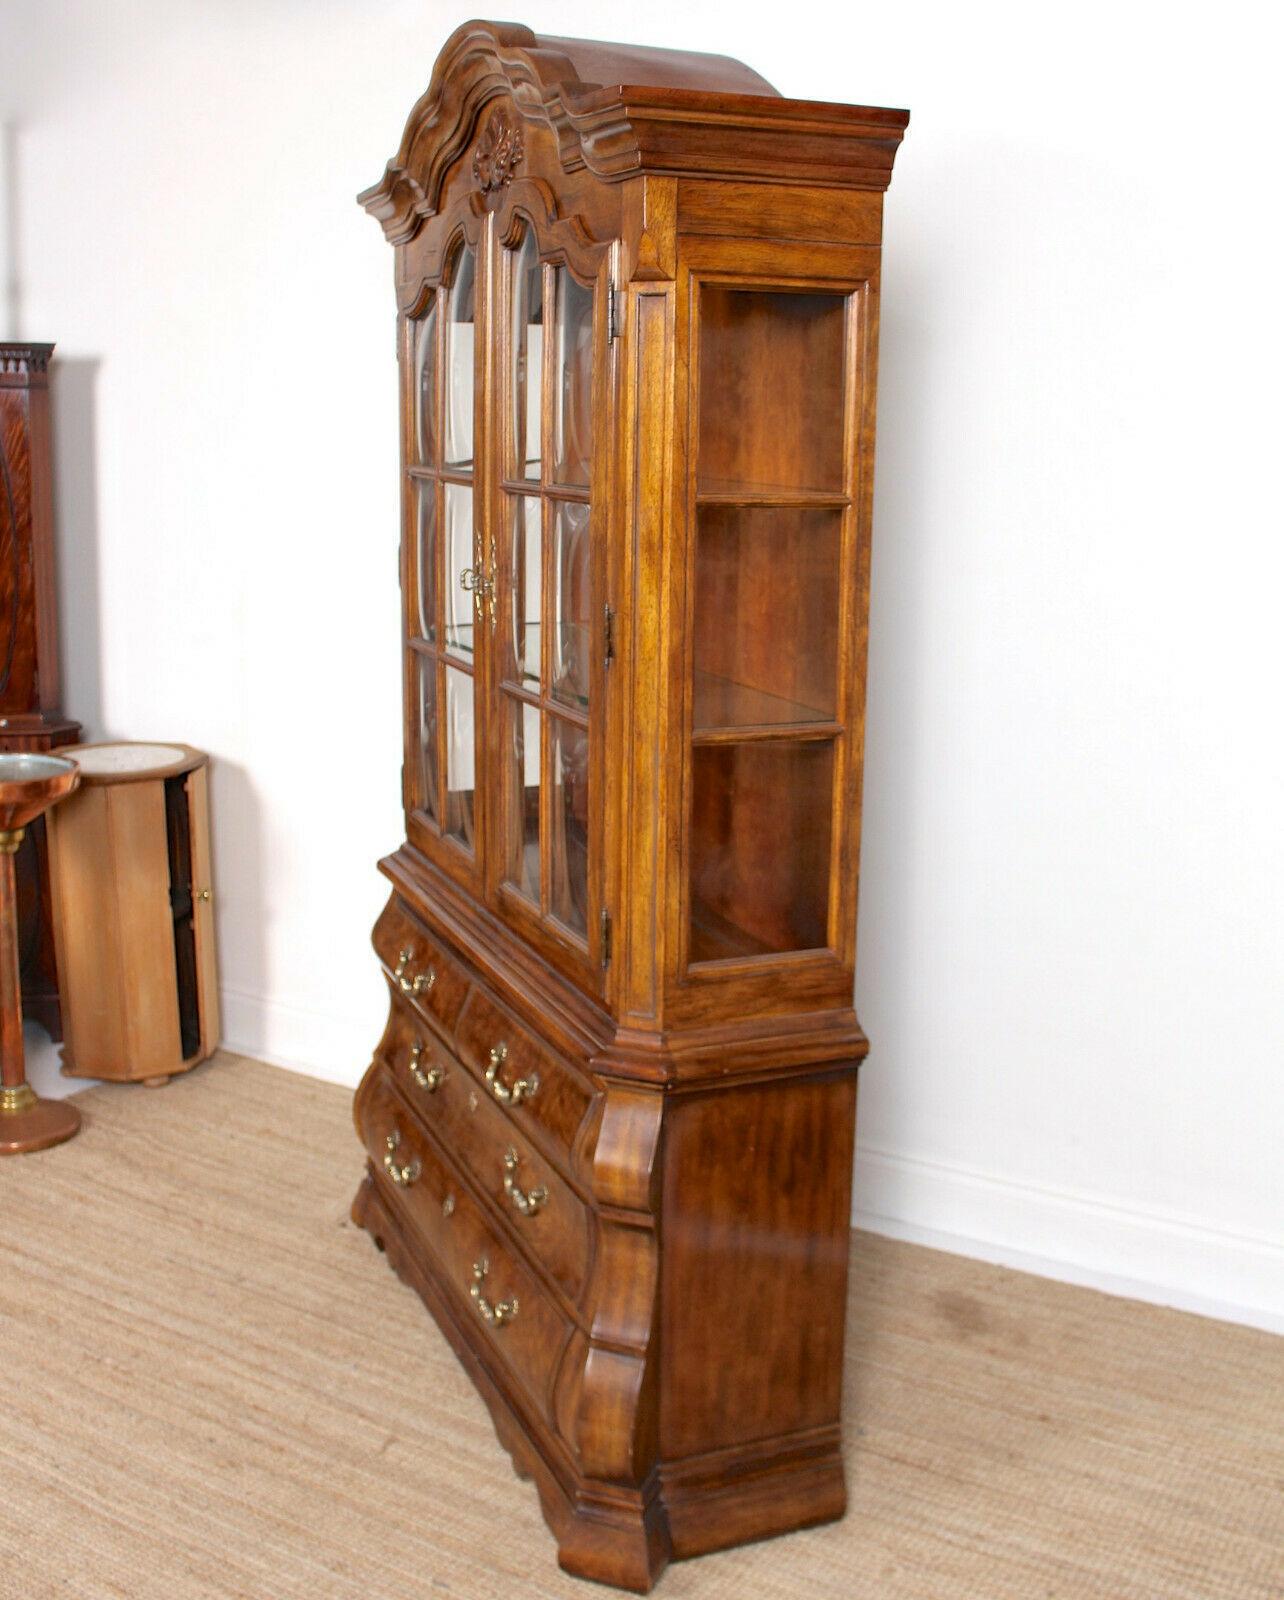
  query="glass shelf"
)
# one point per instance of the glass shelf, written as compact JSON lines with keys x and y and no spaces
{"x":723,"y":706}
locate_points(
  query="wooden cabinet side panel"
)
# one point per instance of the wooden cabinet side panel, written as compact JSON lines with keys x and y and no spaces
{"x":146,"y":927}
{"x":83,"y":889}
{"x":755,"y":1222}
{"x":203,"y":909}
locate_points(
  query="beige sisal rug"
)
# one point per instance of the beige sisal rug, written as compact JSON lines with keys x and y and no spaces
{"x":211,"y":1386}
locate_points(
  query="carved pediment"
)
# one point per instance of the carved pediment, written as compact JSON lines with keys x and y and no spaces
{"x":618,"y":110}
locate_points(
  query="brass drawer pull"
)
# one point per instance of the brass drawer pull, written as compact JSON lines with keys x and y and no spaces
{"x":501,"y":1311}
{"x":522,"y":1089}
{"x":429,"y":1081}
{"x":402,"y":1176}
{"x":527,"y":1204}
{"x":420,"y":983}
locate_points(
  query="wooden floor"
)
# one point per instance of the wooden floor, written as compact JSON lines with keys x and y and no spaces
{"x":211,"y":1386}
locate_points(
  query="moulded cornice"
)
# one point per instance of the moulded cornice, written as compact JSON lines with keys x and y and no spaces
{"x":619,"y":112}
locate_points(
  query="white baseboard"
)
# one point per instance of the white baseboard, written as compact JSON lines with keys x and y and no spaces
{"x":335,"y":1049}
{"x":1160,"y":1257}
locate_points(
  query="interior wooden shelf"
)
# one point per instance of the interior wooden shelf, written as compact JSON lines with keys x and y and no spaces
{"x":723,"y":492}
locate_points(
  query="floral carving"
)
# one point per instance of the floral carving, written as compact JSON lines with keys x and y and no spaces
{"x":498,"y":151}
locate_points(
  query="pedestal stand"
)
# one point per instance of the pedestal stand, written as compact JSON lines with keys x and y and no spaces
{"x":29,"y":785}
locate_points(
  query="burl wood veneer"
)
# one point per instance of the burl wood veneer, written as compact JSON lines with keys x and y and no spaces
{"x":609,"y":1125}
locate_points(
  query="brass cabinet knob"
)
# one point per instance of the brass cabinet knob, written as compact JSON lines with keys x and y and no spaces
{"x":402,"y":1176}
{"x":203,"y":894}
{"x":500,"y":1311}
{"x":429,"y":1081}
{"x":421,"y":983}
{"x":527,"y":1203}
{"x":509,"y":1094}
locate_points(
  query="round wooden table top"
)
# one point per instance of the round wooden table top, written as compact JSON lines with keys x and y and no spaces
{"x":132,"y":761}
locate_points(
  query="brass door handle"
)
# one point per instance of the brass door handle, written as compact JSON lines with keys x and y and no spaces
{"x":402,"y":1176}
{"x":429,"y":1081}
{"x":420,"y":983}
{"x":509,"y":1094}
{"x":497,"y":1313}
{"x":528,"y":1204}
{"x":476,"y":581}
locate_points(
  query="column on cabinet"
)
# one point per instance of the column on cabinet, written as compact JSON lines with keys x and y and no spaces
{"x":545,"y":640}
{"x":771,"y":496}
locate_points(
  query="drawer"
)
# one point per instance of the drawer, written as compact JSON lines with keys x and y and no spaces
{"x":544,"y":1096}
{"x":540,"y":1207}
{"x":418,"y":967}
{"x":483,"y":1277}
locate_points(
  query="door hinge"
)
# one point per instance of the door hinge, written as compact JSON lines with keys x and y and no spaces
{"x":612,"y":315}
{"x":608,"y":635}
{"x":606,"y":937}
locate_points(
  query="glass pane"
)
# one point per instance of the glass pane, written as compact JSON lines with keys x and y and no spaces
{"x":760,"y":836}
{"x":525,"y":581}
{"x":424,"y":612}
{"x":459,"y":617}
{"x":424,"y":333}
{"x":571,"y":603}
{"x":522,"y":849}
{"x":460,"y":349}
{"x":568,"y":847}
{"x":771,"y":391}
{"x":766,"y":616}
{"x":573,"y":381}
{"x":460,"y":779}
{"x":528,"y":358}
{"x":423,"y":679}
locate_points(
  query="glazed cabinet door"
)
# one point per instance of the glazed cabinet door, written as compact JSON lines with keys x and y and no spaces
{"x":548,"y":519}
{"x":448,"y":595}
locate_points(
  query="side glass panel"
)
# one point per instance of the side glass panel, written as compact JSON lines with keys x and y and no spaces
{"x":526,"y":289}
{"x":461,"y":780}
{"x":461,"y":345}
{"x":425,"y":387}
{"x":569,"y":843}
{"x":526,"y":588}
{"x":571,"y":577}
{"x":771,"y":498}
{"x":460,"y":543}
{"x":521,"y":867}
{"x":424,"y":615}
{"x":423,"y":690}
{"x":572,"y":381}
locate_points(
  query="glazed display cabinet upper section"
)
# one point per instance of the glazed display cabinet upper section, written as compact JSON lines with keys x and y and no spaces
{"x":638,"y":308}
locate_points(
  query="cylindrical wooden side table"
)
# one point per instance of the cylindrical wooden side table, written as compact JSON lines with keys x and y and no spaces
{"x":129,"y":862}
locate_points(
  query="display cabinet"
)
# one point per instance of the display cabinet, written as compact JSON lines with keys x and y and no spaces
{"x":609,"y":1125}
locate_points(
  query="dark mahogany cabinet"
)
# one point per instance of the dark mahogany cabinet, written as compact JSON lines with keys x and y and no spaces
{"x":609,"y":1125}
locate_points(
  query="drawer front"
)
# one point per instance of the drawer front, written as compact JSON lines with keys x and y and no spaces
{"x":418,"y":967}
{"x":484,"y":1277}
{"x":539,"y":1206}
{"x":546,"y":1099}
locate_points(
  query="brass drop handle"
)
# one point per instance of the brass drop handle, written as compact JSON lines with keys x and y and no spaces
{"x":420,"y":983}
{"x":527,"y":1204}
{"x":500,"y":1311}
{"x":429,"y":1081}
{"x":509,"y":1095}
{"x":402,"y":1176}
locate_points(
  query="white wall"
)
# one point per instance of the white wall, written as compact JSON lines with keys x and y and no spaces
{"x":1072,"y":950}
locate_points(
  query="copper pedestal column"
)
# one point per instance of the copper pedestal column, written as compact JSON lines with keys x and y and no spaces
{"x":29,"y":785}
